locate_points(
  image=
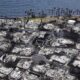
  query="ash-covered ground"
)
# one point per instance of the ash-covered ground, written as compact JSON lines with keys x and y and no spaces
{"x":40,"y":50}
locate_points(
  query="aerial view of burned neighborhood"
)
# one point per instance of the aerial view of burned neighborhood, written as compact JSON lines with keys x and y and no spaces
{"x":39,"y":40}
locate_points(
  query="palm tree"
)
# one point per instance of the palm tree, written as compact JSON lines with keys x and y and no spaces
{"x":6,"y":18}
{"x":53,"y":11}
{"x":58,"y":12}
{"x":67,"y":12}
{"x":62,"y":11}
{"x":43,"y":14}
{"x":70,"y":11}
{"x":78,"y":12}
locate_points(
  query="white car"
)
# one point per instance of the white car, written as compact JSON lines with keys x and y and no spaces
{"x":71,"y":22}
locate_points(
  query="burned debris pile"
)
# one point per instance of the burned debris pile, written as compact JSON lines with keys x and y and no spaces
{"x":39,"y":51}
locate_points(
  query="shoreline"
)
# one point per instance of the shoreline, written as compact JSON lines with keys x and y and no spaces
{"x":47,"y":18}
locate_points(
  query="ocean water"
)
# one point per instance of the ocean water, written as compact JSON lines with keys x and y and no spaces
{"x":18,"y":7}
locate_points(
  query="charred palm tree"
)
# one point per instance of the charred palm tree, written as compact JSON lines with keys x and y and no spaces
{"x":30,"y":14}
{"x":43,"y":14}
{"x":53,"y":11}
{"x":6,"y":18}
{"x":77,"y":12}
{"x":58,"y":12}
{"x":62,"y":11}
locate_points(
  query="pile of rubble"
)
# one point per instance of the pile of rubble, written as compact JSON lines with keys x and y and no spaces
{"x":39,"y":51}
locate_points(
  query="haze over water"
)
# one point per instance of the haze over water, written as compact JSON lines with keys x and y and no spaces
{"x":18,"y":7}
